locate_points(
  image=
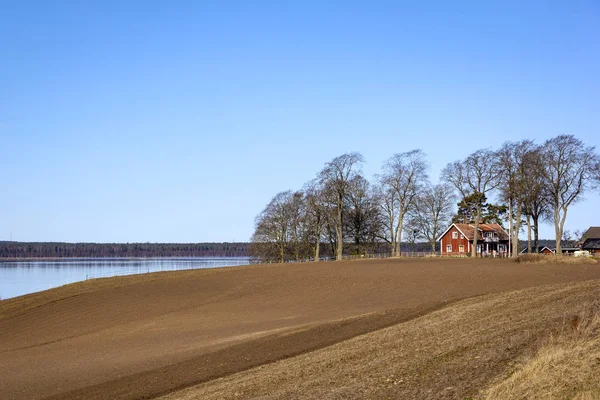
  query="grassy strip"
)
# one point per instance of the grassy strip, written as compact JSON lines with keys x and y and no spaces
{"x":566,"y":366}
{"x":552,"y":259}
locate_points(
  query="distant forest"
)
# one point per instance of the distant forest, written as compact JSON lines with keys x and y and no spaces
{"x":59,"y":250}
{"x":141,"y":250}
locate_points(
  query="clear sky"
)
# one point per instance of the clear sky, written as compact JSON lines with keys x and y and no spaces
{"x":157,"y":121}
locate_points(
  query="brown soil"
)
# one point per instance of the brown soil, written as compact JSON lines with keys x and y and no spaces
{"x":149,"y":335}
{"x":454,"y":353}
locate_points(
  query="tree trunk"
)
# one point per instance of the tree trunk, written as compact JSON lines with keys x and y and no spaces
{"x":282,"y":252}
{"x":510,"y":227}
{"x":557,"y":232}
{"x":331,"y":238}
{"x":559,"y":227}
{"x":393,"y":243}
{"x":317,"y":249}
{"x":476,"y":233}
{"x":398,"y":235}
{"x":339,"y":229}
{"x":340,"y":244}
{"x":529,"y":234}
{"x":296,"y":245}
{"x":536,"y":236}
{"x":332,"y":246}
{"x":517,"y":227}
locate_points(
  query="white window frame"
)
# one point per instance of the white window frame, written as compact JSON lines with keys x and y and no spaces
{"x":448,"y":248}
{"x":454,"y":235}
{"x":461,"y":248}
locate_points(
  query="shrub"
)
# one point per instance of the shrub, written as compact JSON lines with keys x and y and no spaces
{"x":531,"y":258}
{"x":546,"y":259}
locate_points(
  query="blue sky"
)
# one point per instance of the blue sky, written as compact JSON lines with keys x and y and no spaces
{"x":178,"y":121}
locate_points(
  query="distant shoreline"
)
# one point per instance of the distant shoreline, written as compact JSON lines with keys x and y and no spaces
{"x":61,"y":250}
{"x":74,"y":259}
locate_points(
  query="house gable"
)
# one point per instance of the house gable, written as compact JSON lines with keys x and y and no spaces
{"x":447,"y":230}
{"x":454,"y":241}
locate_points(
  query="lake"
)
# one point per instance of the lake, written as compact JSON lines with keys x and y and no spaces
{"x":19,"y":278}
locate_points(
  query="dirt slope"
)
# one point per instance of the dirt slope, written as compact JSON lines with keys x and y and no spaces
{"x":142,"y":336}
{"x":454,"y":353}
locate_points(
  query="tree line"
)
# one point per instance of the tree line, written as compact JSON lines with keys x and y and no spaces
{"x":532,"y":183}
{"x":60,"y":250}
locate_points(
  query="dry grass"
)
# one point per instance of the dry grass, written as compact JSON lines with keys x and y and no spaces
{"x":552,"y":259}
{"x":567,"y":366}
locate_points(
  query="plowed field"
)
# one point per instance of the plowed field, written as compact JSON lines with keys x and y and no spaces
{"x":149,"y":335}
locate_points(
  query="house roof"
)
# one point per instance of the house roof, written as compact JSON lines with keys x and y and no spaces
{"x":540,"y":249}
{"x":591,"y":244}
{"x":468,"y":230}
{"x":592,"y":233}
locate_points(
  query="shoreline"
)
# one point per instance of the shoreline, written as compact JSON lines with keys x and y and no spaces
{"x":175,"y":258}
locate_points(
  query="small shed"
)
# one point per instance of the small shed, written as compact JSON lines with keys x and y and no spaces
{"x":540,"y":250}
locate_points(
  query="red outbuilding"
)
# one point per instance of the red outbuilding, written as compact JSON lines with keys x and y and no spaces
{"x":540,"y":250}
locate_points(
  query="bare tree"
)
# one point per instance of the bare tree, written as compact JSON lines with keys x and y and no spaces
{"x":296,"y":210}
{"x":272,"y":231}
{"x":336,"y":175}
{"x":403,"y":177}
{"x":362,"y":213}
{"x":529,"y":230}
{"x":387,"y":201}
{"x":477,"y":174}
{"x":512,"y":161}
{"x":433,"y":211}
{"x":330,"y":232}
{"x":412,"y":231}
{"x":536,"y":203}
{"x":329,"y":198}
{"x":316,"y":208}
{"x":570,"y":169}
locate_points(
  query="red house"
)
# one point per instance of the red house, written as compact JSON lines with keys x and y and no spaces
{"x":457,"y":240}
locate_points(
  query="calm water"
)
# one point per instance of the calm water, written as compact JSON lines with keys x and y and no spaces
{"x":18,"y":278}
